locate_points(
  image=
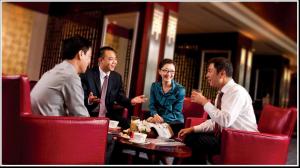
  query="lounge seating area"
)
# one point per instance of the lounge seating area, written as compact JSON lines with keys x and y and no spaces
{"x":29,"y":139}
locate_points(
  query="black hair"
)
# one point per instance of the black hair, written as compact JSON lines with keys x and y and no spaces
{"x":101,"y":51}
{"x":221,"y":63}
{"x":164,"y":62}
{"x":73,"y":45}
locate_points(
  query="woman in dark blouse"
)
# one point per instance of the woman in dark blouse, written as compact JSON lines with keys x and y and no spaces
{"x":166,"y":98}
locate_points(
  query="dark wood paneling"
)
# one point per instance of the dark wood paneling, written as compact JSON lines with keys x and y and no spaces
{"x":281,"y":14}
{"x":190,"y":47}
{"x":271,"y":69}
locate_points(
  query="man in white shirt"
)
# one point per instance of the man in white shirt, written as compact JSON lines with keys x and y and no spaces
{"x":233,"y":109}
{"x":59,"y":91}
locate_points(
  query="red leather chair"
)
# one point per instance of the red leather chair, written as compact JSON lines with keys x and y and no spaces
{"x":29,"y":139}
{"x":269,"y":146}
{"x":193,"y":113}
{"x":10,"y":120}
{"x":63,"y":140}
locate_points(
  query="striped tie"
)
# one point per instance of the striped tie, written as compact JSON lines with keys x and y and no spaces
{"x":102,"y":109}
{"x":217,"y":129}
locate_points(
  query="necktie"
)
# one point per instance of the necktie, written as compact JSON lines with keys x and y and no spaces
{"x":102,"y":109}
{"x":217,"y":129}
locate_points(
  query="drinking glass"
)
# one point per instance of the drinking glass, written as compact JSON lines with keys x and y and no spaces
{"x":133,"y":123}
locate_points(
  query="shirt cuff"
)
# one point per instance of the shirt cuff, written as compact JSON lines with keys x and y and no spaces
{"x":210,"y":109}
{"x":197,"y":128}
{"x":89,"y":103}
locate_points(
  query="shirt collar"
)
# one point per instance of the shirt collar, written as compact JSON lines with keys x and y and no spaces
{"x":172,"y":84}
{"x":227,"y":86}
{"x":103,"y":74}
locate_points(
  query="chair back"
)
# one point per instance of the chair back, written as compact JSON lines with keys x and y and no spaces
{"x":63,"y":140}
{"x":11,"y":101}
{"x":29,"y":139}
{"x":191,"y":109}
{"x":277,"y":120}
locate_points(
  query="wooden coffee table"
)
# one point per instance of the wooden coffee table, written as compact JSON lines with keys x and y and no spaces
{"x":156,"y":152}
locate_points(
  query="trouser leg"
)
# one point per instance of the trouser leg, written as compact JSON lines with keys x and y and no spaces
{"x":202,"y":145}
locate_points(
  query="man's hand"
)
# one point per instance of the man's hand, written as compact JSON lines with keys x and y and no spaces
{"x":93,"y":99}
{"x":197,"y":97}
{"x":182,"y":133}
{"x":139,"y":99}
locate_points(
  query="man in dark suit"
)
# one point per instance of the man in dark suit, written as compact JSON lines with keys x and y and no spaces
{"x":103,"y":78}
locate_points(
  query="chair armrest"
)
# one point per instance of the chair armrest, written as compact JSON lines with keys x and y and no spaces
{"x":192,"y":121}
{"x":125,"y":113}
{"x":63,"y":140}
{"x":244,"y":147}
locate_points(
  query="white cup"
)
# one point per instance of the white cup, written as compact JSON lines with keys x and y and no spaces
{"x":113,"y":124}
{"x":139,"y":137}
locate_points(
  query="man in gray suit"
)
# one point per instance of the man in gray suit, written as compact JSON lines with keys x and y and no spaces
{"x":59,"y":91}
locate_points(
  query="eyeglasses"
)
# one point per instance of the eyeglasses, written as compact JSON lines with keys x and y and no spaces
{"x":166,"y":71}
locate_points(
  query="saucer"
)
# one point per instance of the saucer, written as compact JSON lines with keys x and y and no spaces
{"x":135,"y":142}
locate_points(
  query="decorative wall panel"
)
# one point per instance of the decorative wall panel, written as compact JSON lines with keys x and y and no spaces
{"x":16,"y":34}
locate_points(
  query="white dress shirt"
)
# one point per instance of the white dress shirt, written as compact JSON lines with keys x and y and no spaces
{"x":102,"y":75}
{"x":236,"y":110}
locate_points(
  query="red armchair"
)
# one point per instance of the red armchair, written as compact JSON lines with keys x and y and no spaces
{"x":194,"y":113}
{"x":269,"y":146}
{"x":63,"y":140}
{"x":10,"y":120}
{"x":29,"y":139}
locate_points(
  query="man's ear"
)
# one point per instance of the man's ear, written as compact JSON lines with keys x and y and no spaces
{"x":100,"y":59}
{"x":223,"y":73}
{"x":80,"y":54}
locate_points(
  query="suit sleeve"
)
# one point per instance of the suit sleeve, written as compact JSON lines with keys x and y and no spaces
{"x":86,"y":90}
{"x":122,"y":98}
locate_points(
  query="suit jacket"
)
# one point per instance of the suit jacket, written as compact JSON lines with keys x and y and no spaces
{"x":115,"y":93}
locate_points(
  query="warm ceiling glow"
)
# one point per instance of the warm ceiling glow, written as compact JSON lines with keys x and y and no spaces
{"x":249,"y":35}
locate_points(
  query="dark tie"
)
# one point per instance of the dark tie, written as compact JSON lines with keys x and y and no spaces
{"x":217,"y":129}
{"x":102,"y":109}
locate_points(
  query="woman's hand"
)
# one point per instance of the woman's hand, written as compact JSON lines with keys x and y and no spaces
{"x":155,"y":119}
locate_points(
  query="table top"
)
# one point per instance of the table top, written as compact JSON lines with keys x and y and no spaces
{"x":178,"y":151}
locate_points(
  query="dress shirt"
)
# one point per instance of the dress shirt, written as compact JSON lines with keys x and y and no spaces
{"x":167,"y":105}
{"x":236,"y":110}
{"x":59,"y":93}
{"x":102,"y":75}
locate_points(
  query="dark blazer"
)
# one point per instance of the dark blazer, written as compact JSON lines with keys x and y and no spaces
{"x":115,"y":93}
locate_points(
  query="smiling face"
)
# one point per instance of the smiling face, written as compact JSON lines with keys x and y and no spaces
{"x":109,"y":61}
{"x":167,"y":72}
{"x":213,"y":77}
